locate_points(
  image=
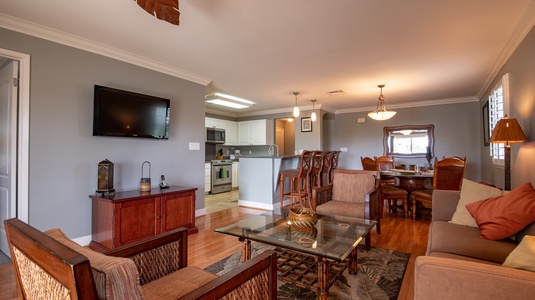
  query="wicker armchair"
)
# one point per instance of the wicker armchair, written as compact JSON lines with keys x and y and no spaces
{"x":49,"y":265}
{"x":353,"y":193}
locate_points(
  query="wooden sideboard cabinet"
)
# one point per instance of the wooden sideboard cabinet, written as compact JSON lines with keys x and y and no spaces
{"x":127,"y":217}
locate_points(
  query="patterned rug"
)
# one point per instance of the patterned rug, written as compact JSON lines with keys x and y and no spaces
{"x":380,"y":273}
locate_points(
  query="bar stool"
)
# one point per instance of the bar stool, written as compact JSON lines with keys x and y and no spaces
{"x":298,"y":180}
{"x":327,"y":165}
{"x":334,"y":166}
{"x":316,"y":171}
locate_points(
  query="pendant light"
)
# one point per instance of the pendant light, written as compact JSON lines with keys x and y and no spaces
{"x":380,"y":113}
{"x":313,"y":116}
{"x":296,"y":109}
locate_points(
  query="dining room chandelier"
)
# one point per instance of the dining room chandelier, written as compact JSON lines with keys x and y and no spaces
{"x":380,"y":113}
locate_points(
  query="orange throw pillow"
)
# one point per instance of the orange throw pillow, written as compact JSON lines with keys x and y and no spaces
{"x":503,"y":216}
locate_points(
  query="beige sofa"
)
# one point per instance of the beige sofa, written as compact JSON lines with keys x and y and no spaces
{"x":459,"y":264}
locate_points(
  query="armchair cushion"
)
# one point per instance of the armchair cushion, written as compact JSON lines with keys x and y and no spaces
{"x":182,"y":282}
{"x":342,"y":208}
{"x":504,"y":216}
{"x":115,"y":277}
{"x":351,"y":187}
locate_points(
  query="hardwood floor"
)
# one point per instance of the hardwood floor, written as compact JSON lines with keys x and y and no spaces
{"x":206,"y":247}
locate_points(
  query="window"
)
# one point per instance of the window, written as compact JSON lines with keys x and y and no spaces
{"x":498,"y":106}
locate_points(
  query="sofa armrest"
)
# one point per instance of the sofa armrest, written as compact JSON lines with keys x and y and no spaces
{"x":321,"y":195}
{"x":444,"y":204}
{"x":445,"y":278}
{"x":253,"y":279}
{"x":157,"y":256}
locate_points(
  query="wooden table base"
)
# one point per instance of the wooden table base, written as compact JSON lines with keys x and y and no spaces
{"x":307,"y":271}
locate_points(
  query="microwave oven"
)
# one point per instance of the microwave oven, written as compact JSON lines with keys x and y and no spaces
{"x":215,"y":135}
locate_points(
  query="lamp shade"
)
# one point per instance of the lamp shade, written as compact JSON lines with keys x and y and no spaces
{"x":507,"y":131}
{"x":381,"y":115}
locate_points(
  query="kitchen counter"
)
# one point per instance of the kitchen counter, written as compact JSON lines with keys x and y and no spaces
{"x":259,"y":179}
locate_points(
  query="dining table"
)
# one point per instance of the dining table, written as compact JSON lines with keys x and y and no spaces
{"x":410,"y":181}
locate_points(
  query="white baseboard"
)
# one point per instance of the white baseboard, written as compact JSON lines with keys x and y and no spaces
{"x":255,"y":205}
{"x":200,"y":212}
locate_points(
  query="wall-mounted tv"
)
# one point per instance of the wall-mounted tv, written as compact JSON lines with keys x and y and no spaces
{"x":127,"y":114}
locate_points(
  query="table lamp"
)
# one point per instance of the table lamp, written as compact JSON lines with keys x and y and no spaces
{"x":507,"y":131}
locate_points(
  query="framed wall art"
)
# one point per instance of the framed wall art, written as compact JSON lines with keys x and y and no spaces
{"x":306,"y":125}
{"x":485,"y":118}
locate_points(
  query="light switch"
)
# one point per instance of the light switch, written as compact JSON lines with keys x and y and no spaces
{"x":194,"y":146}
{"x":343,"y":149}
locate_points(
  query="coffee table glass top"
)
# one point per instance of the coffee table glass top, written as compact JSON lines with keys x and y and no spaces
{"x":333,"y":237}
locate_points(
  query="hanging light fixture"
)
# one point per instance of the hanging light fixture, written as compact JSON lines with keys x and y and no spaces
{"x":313,"y":116}
{"x":380,"y":113}
{"x":296,"y":109}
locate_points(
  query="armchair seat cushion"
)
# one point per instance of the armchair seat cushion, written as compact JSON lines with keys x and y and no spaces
{"x":342,"y":208}
{"x":177,"y":284}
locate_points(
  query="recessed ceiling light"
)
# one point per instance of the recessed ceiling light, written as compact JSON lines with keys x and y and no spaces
{"x":228,"y":101}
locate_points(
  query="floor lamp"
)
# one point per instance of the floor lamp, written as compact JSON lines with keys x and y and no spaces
{"x":507,"y":131}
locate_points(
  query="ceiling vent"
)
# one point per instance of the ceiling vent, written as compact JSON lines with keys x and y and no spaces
{"x":336,"y":93}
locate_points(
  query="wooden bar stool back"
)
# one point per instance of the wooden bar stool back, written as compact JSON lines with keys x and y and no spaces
{"x":327,"y":166}
{"x":316,"y":171}
{"x":298,"y":180}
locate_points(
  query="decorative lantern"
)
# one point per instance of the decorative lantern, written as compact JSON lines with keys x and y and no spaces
{"x":145,"y":184}
{"x":105,"y":177}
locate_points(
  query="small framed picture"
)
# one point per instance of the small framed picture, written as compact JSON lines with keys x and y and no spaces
{"x":306,"y":125}
{"x":485,"y":118}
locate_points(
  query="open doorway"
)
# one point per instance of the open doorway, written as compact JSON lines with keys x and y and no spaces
{"x":14,"y":138}
{"x":285,"y":135}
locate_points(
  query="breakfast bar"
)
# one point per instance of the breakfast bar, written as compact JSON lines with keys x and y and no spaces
{"x":259,"y":179}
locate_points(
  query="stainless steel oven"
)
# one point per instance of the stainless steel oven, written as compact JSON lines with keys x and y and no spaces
{"x":221,"y":176}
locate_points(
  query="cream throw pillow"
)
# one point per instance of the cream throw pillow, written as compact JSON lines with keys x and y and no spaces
{"x":523,"y":257}
{"x":472,"y":191}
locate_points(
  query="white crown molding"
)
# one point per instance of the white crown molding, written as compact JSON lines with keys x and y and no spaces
{"x":411,"y":104}
{"x":60,"y":37}
{"x":524,"y":26}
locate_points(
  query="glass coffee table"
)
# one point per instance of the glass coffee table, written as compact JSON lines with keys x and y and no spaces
{"x":307,"y":257}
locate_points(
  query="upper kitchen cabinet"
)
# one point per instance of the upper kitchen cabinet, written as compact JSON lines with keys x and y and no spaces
{"x":231,"y":136}
{"x":256,"y":132}
{"x":211,"y":122}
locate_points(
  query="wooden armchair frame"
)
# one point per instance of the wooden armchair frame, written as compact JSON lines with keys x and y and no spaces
{"x":71,"y":270}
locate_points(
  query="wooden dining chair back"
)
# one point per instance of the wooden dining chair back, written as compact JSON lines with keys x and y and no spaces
{"x":448,"y":175}
{"x":390,"y":192}
{"x":43,"y":265}
{"x":368,"y":163}
{"x":299,"y":179}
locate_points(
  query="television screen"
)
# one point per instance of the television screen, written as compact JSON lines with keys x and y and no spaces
{"x":127,"y":114}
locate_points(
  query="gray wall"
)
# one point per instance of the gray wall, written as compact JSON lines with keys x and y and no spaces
{"x":521,"y":69}
{"x":64,"y":154}
{"x":457,"y":133}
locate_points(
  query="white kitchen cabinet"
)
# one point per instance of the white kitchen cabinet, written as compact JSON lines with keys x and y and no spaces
{"x":231,"y":136}
{"x":256,"y":132}
{"x":235,"y":177}
{"x":207,"y":177}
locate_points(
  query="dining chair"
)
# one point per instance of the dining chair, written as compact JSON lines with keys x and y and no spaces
{"x":390,"y":191}
{"x":299,"y":179}
{"x":449,"y":173}
{"x":368,"y":163}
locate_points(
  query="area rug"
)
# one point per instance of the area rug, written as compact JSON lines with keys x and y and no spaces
{"x":380,"y":273}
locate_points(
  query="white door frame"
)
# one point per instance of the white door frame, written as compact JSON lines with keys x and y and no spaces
{"x":23,"y":212}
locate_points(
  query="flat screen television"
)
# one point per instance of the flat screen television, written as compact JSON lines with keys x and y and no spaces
{"x":127,"y":114}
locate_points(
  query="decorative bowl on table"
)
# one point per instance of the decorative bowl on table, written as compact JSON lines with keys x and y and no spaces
{"x":302,"y":217}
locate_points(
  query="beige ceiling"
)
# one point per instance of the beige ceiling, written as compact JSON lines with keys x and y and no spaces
{"x":424,"y":51}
